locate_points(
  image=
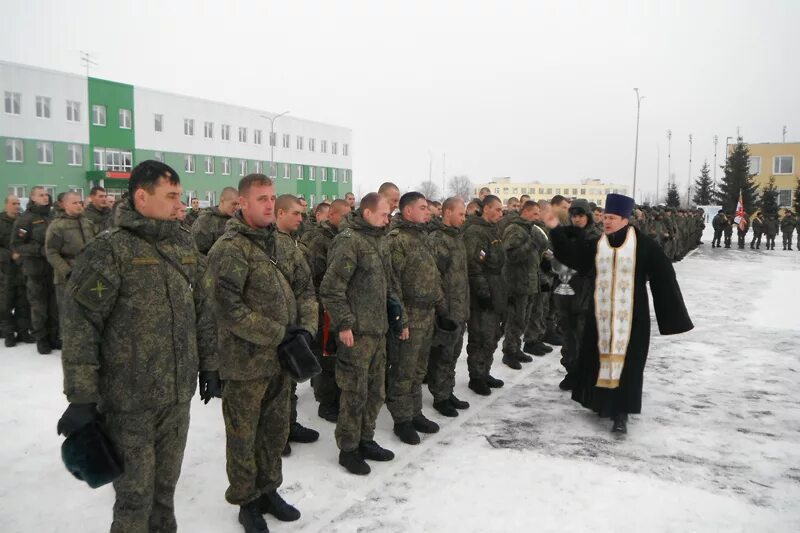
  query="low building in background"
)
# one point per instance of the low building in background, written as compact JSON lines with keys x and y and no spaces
{"x":593,"y":190}
{"x":778,"y":160}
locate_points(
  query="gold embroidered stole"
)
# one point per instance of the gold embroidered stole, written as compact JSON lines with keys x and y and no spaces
{"x":613,"y":306}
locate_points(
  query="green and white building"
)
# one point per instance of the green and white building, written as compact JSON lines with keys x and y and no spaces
{"x":69,"y":132}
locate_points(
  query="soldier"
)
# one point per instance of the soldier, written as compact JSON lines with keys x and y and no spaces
{"x":350,"y":198}
{"x":539,"y":302}
{"x":521,"y":272}
{"x":560,"y":206}
{"x":210,"y":224}
{"x":261,"y":301}
{"x":321,"y":213}
{"x":191,"y":215}
{"x":98,"y":210}
{"x":797,"y":228}
{"x":597,"y":216}
{"x":741,"y":232}
{"x":788,"y":223}
{"x":451,"y":260}
{"x":66,"y":237}
{"x":15,"y":315}
{"x":771,"y":226}
{"x":391,"y":193}
{"x":420,"y":292}
{"x":511,"y":213}
{"x":287,"y":221}
{"x":317,"y":244}
{"x":728,"y":229}
{"x":488,"y":295}
{"x":356,"y":291}
{"x":28,"y":239}
{"x":719,"y":223}
{"x":137,"y":334}
{"x":483,"y":193}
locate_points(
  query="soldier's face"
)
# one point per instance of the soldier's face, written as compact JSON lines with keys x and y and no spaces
{"x":229,"y":205}
{"x":12,"y":206}
{"x":162,"y":204}
{"x":380,"y":217}
{"x":289,"y":220}
{"x":513,"y":206}
{"x":195,"y":203}
{"x":393,"y":197}
{"x":416,"y":212}
{"x":323,"y":214}
{"x":493,"y":212}
{"x":72,"y":205}
{"x":531,"y":214}
{"x":110,"y":201}
{"x":40,"y":197}
{"x":258,"y":207}
{"x":580,"y":221}
{"x":455,"y":217}
{"x":182,"y":212}
{"x":99,"y":200}
{"x":336,"y":215}
{"x":350,"y":199}
{"x":613,"y":223}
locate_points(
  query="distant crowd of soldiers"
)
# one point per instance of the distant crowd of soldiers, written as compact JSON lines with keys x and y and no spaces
{"x":763,"y":225}
{"x":383,"y":294}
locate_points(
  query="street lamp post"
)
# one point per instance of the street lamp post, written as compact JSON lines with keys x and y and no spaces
{"x":689,"y":178}
{"x":716,"y":140}
{"x":272,"y":140}
{"x":636,"y":148}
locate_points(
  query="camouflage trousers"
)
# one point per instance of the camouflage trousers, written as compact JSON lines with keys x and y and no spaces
{"x":442,"y":368}
{"x":517,"y":318}
{"x":15,"y":314}
{"x":483,"y":333}
{"x":151,"y":445}
{"x":44,"y":309}
{"x":408,"y":365}
{"x":538,"y":309}
{"x":256,"y":414}
{"x":787,"y":239}
{"x":326,"y":391}
{"x":361,"y":376}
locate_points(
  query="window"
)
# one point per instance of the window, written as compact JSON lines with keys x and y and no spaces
{"x":43,"y":107}
{"x":286,"y":171}
{"x":226,"y":132}
{"x":333,"y":175}
{"x":324,"y":174}
{"x":99,"y":159}
{"x":17,"y":190}
{"x":345,"y":150}
{"x":755,"y":164}
{"x":44,"y":153}
{"x":299,"y":172}
{"x":311,"y":201}
{"x":75,"y":155}
{"x":286,"y":140}
{"x":13,"y":103}
{"x":188,"y":126}
{"x":347,"y":176}
{"x":188,"y":163}
{"x":311,"y":176}
{"x":299,"y":143}
{"x":242,"y":167}
{"x":226,"y":166}
{"x":312,"y":144}
{"x":574,"y":191}
{"x":272,"y":137}
{"x":323,"y":147}
{"x":98,"y":115}
{"x":209,"y":164}
{"x":783,"y":164}
{"x":558,"y":191}
{"x":785,"y":197}
{"x":334,"y":148}
{"x":74,"y":111}
{"x":14,"y":150}
{"x":259,"y":167}
{"x":208,"y":130}
{"x":125,"y":119}
{"x":50,"y":190}
{"x":242,"y":135}
{"x":549,"y":190}
{"x":158,"y":122}
{"x":583,"y":191}
{"x":211,"y":197}
{"x":158,"y":156}
{"x":257,"y":137}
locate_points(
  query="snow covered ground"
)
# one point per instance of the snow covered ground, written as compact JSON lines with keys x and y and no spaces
{"x":717,"y":447}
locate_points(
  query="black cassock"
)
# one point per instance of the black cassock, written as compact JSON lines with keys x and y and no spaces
{"x":651,"y":265}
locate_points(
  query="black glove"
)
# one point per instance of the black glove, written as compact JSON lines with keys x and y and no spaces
{"x":75,"y":417}
{"x":210,"y":385}
{"x":485,"y":302}
{"x":394,"y":313}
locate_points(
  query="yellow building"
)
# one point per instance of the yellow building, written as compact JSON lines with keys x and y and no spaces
{"x":592,"y":190}
{"x":779,"y":160}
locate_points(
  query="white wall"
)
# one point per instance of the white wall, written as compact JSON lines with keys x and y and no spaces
{"x":176,"y":108}
{"x":59,"y":87}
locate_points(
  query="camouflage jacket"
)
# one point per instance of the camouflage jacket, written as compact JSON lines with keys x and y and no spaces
{"x":787,"y":224}
{"x":414,"y":267}
{"x":100,"y":218}
{"x":136,"y":324}
{"x":254,"y":299}
{"x":6,"y":226}
{"x":758,"y":225}
{"x":507,"y":219}
{"x":192,"y":216}
{"x":208,"y":228}
{"x":771,"y":226}
{"x":292,"y":262}
{"x":317,"y":243}
{"x":359,"y":279}
{"x":450,"y":254}
{"x":28,"y":238}
{"x":523,"y":255}
{"x":66,"y":238}
{"x":485,"y":260}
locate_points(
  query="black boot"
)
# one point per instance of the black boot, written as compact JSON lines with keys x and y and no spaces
{"x":423,"y":425}
{"x":511,"y":362}
{"x":287,"y":450}
{"x":568,"y":383}
{"x":494,"y":383}
{"x":553,"y":338}
{"x":479,"y":386}
{"x":55,"y":343}
{"x":446,"y":408}
{"x":273,"y":504}
{"x":24,"y":336}
{"x":11,"y":339}
{"x":43,"y":346}
{"x":328,"y":412}
{"x":371,"y":450}
{"x":522,"y":357}
{"x":298,"y":433}
{"x":406,"y":432}
{"x":458,"y":404}
{"x":354,"y":463}
{"x":534,"y":348}
{"x":250,"y":517}
{"x":620,"y":424}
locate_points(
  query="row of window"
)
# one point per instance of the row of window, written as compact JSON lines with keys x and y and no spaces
{"x":781,"y":164}
{"x":225,"y":135}
{"x":15,"y":153}
{"x":12,"y":105}
{"x":99,"y":117}
{"x":287,"y":171}
{"x":557,"y":190}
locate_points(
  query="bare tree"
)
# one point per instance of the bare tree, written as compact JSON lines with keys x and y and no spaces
{"x":460,"y":186}
{"x":429,"y":189}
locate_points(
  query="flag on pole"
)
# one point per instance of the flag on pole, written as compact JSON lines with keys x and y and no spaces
{"x":740,"y":217}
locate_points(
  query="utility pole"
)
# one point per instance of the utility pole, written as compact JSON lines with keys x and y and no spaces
{"x":689,"y":179}
{"x":86,"y":60}
{"x":669,"y":156}
{"x":716,"y":140}
{"x":272,"y":140}
{"x":658,"y":170}
{"x":784,"y":134}
{"x":443,"y":173}
{"x":636,"y":148}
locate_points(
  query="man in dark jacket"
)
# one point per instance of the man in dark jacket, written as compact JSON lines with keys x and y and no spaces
{"x":15,"y":314}
{"x":719,"y":223}
{"x":788,"y":223}
{"x":758,"y":230}
{"x":771,"y":226}
{"x":98,"y":211}
{"x":210,"y":225}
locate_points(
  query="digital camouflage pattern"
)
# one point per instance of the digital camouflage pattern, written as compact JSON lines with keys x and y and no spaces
{"x":101,"y":218}
{"x":14,"y":311}
{"x":65,"y":239}
{"x":521,"y":275}
{"x":208,"y":228}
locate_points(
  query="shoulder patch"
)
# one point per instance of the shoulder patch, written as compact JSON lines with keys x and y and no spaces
{"x":94,"y":292}
{"x":145,"y":261}
{"x":347,"y":233}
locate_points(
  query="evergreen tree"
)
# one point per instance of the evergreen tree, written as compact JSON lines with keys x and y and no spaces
{"x":703,"y":187}
{"x":673,"y":196}
{"x":738,"y":180}
{"x":797,"y":198}
{"x":769,"y":198}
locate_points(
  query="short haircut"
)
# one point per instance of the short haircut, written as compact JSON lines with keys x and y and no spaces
{"x":370,"y":201}
{"x":597,"y":208}
{"x":487,"y":189}
{"x":147,"y":174}
{"x":60,"y":196}
{"x":37,"y":188}
{"x":253,"y":180}
{"x":409,"y":198}
{"x":437,"y":203}
{"x":530,"y":204}
{"x":512,"y":199}
{"x":320,"y":207}
{"x":387,"y":186}
{"x":63,"y":196}
{"x":488,"y":199}
{"x":340,"y":205}
{"x":228,"y":192}
{"x":524,"y":198}
{"x":451,"y":203}
{"x":350,"y":194}
{"x":543,"y":204}
{"x":285,"y":202}
{"x":557,"y":199}
{"x":96,"y":189}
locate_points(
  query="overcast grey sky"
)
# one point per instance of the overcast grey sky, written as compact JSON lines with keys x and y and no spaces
{"x":532,"y":90}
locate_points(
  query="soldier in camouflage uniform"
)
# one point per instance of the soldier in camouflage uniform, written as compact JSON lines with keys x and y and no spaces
{"x":355,"y":292}
{"x":511,"y":214}
{"x":788,"y":223}
{"x":193,"y":213}
{"x":488,"y":294}
{"x":420,"y":292}
{"x":771,"y":227}
{"x":757,"y":223}
{"x":98,"y":211}
{"x":66,"y":237}
{"x":210,"y":225}
{"x":15,"y":317}
{"x":450,"y":255}
{"x":317,"y":242}
{"x":263,"y":296}
{"x":28,"y":239}
{"x":539,"y":305}
{"x":136,"y":333}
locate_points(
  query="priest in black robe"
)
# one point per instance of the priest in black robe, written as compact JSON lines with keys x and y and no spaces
{"x":618,"y":321}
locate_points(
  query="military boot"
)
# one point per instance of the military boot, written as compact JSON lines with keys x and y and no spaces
{"x":11,"y":339}
{"x":328,"y":412}
{"x":374,"y":452}
{"x":298,"y":433}
{"x":424,"y":425}
{"x":479,"y":386}
{"x":568,"y":383}
{"x":535,"y":348}
{"x":511,"y":362}
{"x":494,"y":383}
{"x":458,"y":404}
{"x":43,"y":346}
{"x":522,"y":357}
{"x":354,"y":463}
{"x":251,"y":519}
{"x":620,"y":424}
{"x":446,"y":408}
{"x":406,"y":432}
{"x":24,"y":336}
{"x":273,"y":504}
